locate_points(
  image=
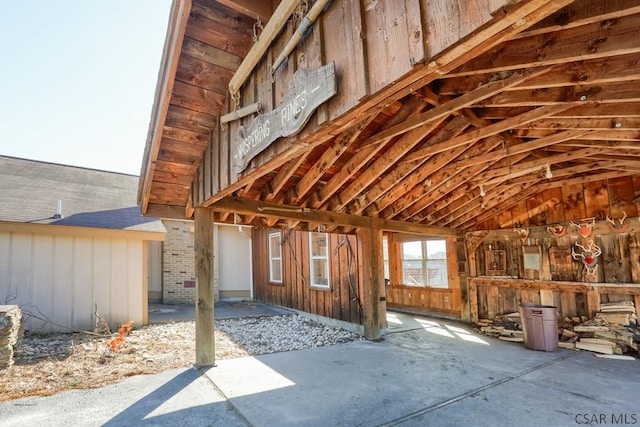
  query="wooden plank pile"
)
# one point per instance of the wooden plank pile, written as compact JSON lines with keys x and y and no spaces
{"x":614,"y":330}
{"x":10,"y":333}
{"x":507,"y":327}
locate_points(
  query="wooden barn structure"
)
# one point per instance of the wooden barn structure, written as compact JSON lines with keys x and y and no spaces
{"x":509,"y":130}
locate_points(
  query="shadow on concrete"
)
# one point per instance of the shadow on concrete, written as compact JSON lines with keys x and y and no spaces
{"x":165,"y":406}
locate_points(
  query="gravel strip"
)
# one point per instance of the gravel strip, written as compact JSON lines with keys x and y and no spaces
{"x":282,"y":333}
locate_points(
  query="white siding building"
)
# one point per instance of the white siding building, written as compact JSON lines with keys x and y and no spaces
{"x":73,"y":242}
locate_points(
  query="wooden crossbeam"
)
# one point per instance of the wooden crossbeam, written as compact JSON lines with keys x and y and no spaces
{"x":459,"y":185}
{"x":407,"y":175}
{"x":456,"y":104}
{"x":391,"y":156}
{"x":591,"y":72}
{"x":315,"y":216}
{"x":523,"y":147}
{"x":357,"y":161}
{"x":583,"y":12}
{"x":620,"y":135}
{"x":586,"y":42}
{"x":283,"y":175}
{"x":327,"y":159}
{"x":505,"y":173}
{"x":618,"y":92}
{"x":486,"y":131}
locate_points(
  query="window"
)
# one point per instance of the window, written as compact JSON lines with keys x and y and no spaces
{"x":275,"y":257}
{"x":385,"y":255}
{"x":424,"y":263}
{"x":319,"y":259}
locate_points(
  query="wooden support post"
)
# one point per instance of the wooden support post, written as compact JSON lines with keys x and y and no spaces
{"x":473,"y":300}
{"x":372,"y":267}
{"x":205,"y":342}
{"x":465,"y":300}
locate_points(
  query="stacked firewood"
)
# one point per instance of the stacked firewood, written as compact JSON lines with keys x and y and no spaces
{"x":614,"y":330}
{"x":10,"y":333}
{"x":507,"y":327}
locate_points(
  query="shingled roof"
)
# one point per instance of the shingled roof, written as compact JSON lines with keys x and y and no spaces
{"x":30,"y":191}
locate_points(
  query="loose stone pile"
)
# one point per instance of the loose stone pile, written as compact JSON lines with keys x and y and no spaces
{"x":10,"y":332}
{"x":282,"y":333}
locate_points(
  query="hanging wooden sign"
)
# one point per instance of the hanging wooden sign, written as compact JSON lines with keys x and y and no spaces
{"x":307,"y":91}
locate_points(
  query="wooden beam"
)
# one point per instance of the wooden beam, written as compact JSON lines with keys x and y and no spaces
{"x":268,"y":35}
{"x":592,"y":41}
{"x":385,"y":193}
{"x":604,"y":93}
{"x":205,"y":341}
{"x":372,"y":276}
{"x":391,"y":156}
{"x":252,"y":8}
{"x":314,"y":216}
{"x":366,"y":152}
{"x":583,"y":12}
{"x":282,"y":177}
{"x":486,"y":131}
{"x":463,"y":101}
{"x":328,"y":158}
{"x":591,"y":72}
{"x":523,"y":147}
{"x":505,"y":173}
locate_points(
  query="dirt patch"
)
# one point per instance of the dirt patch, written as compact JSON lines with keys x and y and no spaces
{"x":45,"y":365}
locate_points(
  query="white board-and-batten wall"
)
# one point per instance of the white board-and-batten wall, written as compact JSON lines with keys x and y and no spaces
{"x":60,"y":275}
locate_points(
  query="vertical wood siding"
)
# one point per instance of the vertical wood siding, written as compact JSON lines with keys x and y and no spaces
{"x":295,"y":292}
{"x":63,"y":278}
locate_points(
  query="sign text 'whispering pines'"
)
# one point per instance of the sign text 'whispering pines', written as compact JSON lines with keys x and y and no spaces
{"x":307,"y":91}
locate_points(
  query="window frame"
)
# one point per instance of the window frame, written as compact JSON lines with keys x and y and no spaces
{"x":319,"y":257}
{"x":272,"y":258}
{"x":424,"y":264}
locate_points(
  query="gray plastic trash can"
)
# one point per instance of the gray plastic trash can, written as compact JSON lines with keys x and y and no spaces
{"x":539,"y":326}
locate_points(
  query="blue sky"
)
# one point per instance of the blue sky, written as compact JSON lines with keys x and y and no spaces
{"x":77,"y":79}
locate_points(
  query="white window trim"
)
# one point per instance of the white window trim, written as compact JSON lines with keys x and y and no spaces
{"x":312,"y":257}
{"x":272,"y":258}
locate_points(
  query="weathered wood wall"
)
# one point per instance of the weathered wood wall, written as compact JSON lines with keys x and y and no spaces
{"x":560,"y":280}
{"x":495,"y":296}
{"x":371,"y":43}
{"x":437,"y":301}
{"x":338,"y":302}
{"x":597,"y":199}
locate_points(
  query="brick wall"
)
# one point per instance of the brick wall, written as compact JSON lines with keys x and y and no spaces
{"x":178,"y":263}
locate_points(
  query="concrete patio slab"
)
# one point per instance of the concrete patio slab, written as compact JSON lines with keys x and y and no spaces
{"x":425,"y":372}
